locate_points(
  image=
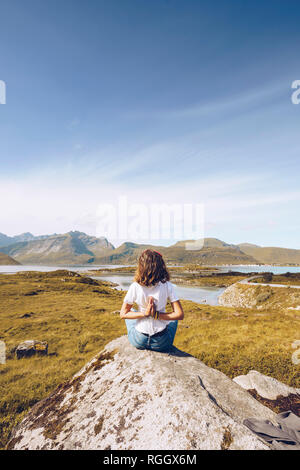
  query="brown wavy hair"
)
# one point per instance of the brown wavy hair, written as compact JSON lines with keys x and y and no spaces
{"x":151,"y":269}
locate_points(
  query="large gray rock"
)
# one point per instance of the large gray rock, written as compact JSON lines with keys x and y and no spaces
{"x":130,"y":399}
{"x":237,"y":296}
{"x":265,"y":386}
{"x":31,"y":348}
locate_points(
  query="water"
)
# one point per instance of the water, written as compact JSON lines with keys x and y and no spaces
{"x":16,"y":269}
{"x":202,"y":295}
{"x":260,"y":269}
{"x":82,"y":268}
{"x":208,"y":295}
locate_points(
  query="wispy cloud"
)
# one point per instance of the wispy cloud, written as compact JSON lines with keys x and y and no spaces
{"x":267,"y":94}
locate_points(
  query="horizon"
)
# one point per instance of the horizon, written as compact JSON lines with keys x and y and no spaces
{"x":163,"y":102}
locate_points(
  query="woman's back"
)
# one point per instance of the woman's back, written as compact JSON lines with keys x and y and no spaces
{"x":161,"y":293}
{"x":151,"y":327}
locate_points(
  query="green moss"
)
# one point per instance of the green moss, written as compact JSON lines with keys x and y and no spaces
{"x":99,"y":425}
{"x":227,"y":439}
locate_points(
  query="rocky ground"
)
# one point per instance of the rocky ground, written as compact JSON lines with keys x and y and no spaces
{"x":119,"y":398}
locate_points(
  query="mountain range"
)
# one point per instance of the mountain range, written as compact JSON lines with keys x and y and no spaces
{"x":214,"y":252}
{"x":5,"y":240}
{"x":58,"y":249}
{"x":74,"y":248}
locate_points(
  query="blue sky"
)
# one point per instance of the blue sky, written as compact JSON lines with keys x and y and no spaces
{"x":164,"y":101}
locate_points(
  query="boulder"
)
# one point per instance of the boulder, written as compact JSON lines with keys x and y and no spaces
{"x":126,"y":399}
{"x":31,"y":348}
{"x":2,"y":352}
{"x":266,"y":387}
{"x":237,"y":296}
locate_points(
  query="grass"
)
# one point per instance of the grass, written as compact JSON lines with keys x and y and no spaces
{"x":76,"y":316}
{"x":289,"y":279}
{"x":236,"y":341}
{"x":208,"y":280}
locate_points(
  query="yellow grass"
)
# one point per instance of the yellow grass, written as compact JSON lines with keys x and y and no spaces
{"x":77,"y":320}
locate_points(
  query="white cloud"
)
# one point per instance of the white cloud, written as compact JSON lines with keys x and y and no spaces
{"x":48,"y":202}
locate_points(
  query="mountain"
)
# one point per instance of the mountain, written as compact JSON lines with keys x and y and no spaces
{"x":79,"y":248}
{"x":68,"y":248}
{"x":23,"y":237}
{"x":214,"y":252}
{"x":271,"y":255}
{"x":4,"y":239}
{"x":6,"y":260}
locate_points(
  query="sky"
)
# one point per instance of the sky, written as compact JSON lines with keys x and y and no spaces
{"x":163,"y":102}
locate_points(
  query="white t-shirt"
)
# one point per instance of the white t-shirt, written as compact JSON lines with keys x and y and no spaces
{"x":161,"y":292}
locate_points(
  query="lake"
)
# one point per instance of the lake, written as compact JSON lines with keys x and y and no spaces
{"x":15,"y":269}
{"x":206,"y":295}
{"x":260,"y":269}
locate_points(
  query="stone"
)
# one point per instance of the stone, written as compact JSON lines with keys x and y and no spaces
{"x":31,"y":348}
{"x":27,"y":315}
{"x":127,"y":398}
{"x":265,"y":386}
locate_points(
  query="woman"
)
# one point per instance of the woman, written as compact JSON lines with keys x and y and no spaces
{"x":150,"y":327}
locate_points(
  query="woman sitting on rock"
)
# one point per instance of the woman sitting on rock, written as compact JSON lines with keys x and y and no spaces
{"x":150,"y":327}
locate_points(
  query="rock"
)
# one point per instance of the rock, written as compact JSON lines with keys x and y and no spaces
{"x":32,"y":292}
{"x":266,"y":387}
{"x":131,"y":399}
{"x":238,"y":296}
{"x":259,"y":296}
{"x":27,"y":315}
{"x":87,"y":280}
{"x":30,"y":348}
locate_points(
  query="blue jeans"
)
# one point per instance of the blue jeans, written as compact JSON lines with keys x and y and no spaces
{"x":161,"y":343}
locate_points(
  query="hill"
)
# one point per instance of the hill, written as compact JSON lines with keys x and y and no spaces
{"x":69,"y":248}
{"x":79,"y":248}
{"x":271,"y":255}
{"x":214,"y":252}
{"x":6,"y":260}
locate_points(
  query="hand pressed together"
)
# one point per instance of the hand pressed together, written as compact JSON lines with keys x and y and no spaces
{"x":151,"y":308}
